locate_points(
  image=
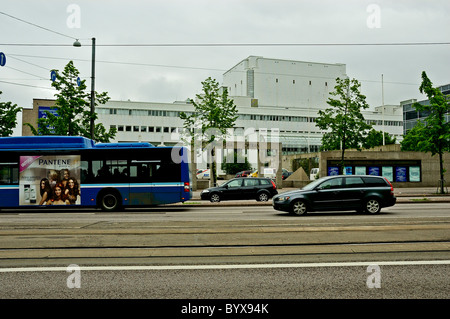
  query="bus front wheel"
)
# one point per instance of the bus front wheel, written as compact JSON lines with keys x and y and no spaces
{"x":110,"y":202}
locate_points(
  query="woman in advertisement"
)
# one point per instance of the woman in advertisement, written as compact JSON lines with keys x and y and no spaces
{"x":59,"y":198}
{"x":72,"y":190}
{"x":46,"y":191}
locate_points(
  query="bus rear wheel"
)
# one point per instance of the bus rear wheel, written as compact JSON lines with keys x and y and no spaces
{"x":110,"y":202}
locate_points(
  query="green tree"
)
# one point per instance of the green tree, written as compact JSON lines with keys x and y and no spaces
{"x":8,"y":117}
{"x":237,"y":164}
{"x":214,"y":113}
{"x":375,"y":138}
{"x":344,"y":122}
{"x":73,"y":110}
{"x":432,"y":135}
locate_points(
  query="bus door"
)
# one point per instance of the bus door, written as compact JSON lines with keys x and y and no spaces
{"x":140,"y":182}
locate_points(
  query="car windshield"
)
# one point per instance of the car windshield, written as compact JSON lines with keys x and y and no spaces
{"x":313,"y":184}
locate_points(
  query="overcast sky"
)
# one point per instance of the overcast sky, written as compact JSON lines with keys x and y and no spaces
{"x":168,"y":73}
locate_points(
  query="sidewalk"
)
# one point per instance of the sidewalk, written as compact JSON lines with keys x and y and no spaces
{"x":404,"y":195}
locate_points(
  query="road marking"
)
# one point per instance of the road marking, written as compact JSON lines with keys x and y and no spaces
{"x":236,"y":266}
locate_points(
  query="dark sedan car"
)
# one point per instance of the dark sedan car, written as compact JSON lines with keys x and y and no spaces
{"x":351,"y":192}
{"x":261,"y":189}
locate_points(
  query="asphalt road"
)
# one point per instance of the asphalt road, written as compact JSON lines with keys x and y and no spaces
{"x":359,"y":281}
{"x":252,"y":252}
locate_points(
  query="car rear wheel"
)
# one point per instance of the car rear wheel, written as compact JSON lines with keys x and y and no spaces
{"x":262,"y":197}
{"x":215,"y":198}
{"x":372,"y":206}
{"x":299,"y":208}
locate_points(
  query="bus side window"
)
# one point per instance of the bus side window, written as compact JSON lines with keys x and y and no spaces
{"x":140,"y":172}
{"x":9,"y":173}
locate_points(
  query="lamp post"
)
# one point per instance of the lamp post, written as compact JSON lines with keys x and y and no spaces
{"x":92,"y":123}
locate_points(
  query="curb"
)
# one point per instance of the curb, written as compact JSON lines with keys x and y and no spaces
{"x":197,"y":202}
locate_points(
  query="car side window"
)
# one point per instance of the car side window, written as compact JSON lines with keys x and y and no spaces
{"x":331,"y":184}
{"x":374,"y":182}
{"x":264,"y":181}
{"x":251,"y":182}
{"x":353,"y":182}
{"x":235,"y":183}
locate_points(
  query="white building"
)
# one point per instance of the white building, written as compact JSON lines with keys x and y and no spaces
{"x":274,"y":96}
{"x":283,"y":83}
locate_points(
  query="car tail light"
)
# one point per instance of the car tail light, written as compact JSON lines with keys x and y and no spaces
{"x":392,"y":187}
{"x":186,"y":187}
{"x":273,"y":184}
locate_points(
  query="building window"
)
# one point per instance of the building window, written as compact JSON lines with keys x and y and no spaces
{"x":166,"y":130}
{"x":151,"y":129}
{"x":128,"y":128}
{"x":135,"y":128}
{"x":143,"y":128}
{"x":120,"y":128}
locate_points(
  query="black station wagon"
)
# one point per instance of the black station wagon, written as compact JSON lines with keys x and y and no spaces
{"x":339,"y":193}
{"x":261,"y":189}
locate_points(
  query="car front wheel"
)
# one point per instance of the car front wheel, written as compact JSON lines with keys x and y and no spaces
{"x":372,"y":206}
{"x":299,"y":208}
{"x":215,"y":198}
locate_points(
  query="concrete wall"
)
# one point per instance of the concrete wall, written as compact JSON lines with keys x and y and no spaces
{"x":429,"y":164}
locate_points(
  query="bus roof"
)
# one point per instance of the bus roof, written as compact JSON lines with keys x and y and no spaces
{"x":60,"y":142}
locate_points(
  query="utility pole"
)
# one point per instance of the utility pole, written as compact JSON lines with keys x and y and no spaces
{"x":382,"y":105}
{"x":93,"y":90}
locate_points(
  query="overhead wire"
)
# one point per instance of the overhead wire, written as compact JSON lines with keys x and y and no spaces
{"x":196,"y":68}
{"x":230,"y":44}
{"x":38,"y":26}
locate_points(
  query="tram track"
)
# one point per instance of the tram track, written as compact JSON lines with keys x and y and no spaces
{"x":177,"y":238}
{"x":270,"y":242}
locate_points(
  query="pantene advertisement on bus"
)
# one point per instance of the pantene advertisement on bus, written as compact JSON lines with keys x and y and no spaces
{"x":49,"y":180}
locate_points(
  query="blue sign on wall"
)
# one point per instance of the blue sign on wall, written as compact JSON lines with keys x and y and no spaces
{"x":373,"y":170}
{"x":400,"y":174}
{"x":43,"y":109}
{"x":333,"y":171}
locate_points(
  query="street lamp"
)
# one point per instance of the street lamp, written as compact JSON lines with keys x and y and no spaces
{"x":92,"y":124}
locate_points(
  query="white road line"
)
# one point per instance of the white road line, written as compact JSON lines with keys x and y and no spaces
{"x":237,"y":266}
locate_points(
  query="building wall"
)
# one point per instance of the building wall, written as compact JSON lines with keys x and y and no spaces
{"x":279,"y":97}
{"x":429,"y":165}
{"x":31,"y":115}
{"x":411,"y":115}
{"x":285,"y":83}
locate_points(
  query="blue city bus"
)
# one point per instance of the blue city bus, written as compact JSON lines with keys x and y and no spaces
{"x":44,"y":171}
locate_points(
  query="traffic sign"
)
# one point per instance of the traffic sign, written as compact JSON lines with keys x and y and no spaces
{"x":78,"y":81}
{"x":53,"y":75}
{"x":2,"y":59}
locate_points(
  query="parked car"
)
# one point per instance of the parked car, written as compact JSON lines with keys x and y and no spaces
{"x":243,"y":174}
{"x":314,"y":173}
{"x":261,"y":189}
{"x":203,"y":173}
{"x":285,"y":174}
{"x":340,"y":192}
